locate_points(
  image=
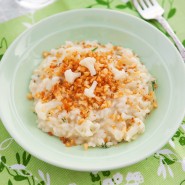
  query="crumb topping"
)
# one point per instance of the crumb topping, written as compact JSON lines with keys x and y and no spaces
{"x":90,"y":77}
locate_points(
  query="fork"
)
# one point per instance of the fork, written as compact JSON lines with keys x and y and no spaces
{"x":150,"y":9}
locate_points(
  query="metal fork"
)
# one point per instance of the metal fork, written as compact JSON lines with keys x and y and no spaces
{"x":150,"y":9}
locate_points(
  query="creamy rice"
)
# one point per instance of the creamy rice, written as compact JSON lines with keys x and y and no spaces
{"x":92,"y":94}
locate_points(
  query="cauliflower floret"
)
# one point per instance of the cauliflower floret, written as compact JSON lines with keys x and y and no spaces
{"x":117,"y":73}
{"x":71,"y":76}
{"x":89,"y":63}
{"x":89,"y":92}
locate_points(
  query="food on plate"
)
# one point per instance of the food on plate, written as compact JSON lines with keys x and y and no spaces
{"x":92,"y":94}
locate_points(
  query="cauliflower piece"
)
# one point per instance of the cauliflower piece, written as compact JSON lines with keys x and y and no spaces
{"x":89,"y":63}
{"x":71,"y":76}
{"x":87,"y":129}
{"x":137,"y":128}
{"x":45,"y":84}
{"x":89,"y":92}
{"x":42,"y":109}
{"x":117,"y":73}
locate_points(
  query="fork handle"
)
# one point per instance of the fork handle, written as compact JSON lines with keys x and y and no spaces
{"x":169,"y":30}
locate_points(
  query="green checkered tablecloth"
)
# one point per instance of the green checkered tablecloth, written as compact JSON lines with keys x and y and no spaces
{"x":167,"y":166}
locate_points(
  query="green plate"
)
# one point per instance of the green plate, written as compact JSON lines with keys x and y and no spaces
{"x":156,"y":52}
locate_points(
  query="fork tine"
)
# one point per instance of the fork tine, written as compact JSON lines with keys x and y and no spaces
{"x":154,"y":2}
{"x":137,"y":5}
{"x":142,"y":3}
{"x":148,"y":3}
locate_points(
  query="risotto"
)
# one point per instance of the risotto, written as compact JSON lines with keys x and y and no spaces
{"x":92,"y":94}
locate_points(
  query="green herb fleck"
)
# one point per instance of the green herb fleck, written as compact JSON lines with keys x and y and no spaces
{"x":64,"y":120}
{"x":153,"y":85}
{"x":104,"y":145}
{"x":94,"y":49}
